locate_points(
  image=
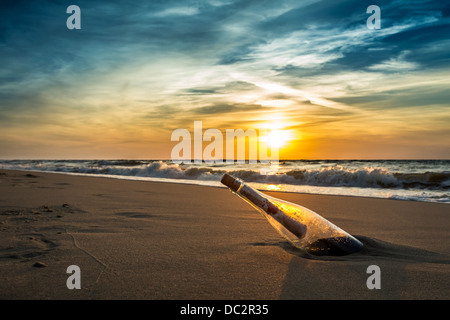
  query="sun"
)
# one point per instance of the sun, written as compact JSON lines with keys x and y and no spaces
{"x":277,"y":138}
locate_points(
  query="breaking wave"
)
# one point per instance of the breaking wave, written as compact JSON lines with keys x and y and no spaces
{"x":331,"y":175}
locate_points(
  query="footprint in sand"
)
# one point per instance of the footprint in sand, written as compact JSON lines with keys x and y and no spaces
{"x":28,"y":245}
{"x":135,"y":215}
{"x":29,"y":175}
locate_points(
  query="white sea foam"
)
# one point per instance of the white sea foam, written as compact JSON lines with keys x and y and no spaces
{"x":408,"y":180}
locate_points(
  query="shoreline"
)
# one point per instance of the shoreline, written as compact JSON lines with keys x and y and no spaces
{"x":199,"y":183}
{"x":150,"y":240}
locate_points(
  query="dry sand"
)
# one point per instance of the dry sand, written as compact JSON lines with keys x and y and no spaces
{"x":148,"y":240}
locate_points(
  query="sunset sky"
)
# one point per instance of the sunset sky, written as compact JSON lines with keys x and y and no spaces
{"x":138,"y":70}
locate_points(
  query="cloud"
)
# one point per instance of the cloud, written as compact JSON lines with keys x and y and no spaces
{"x":225,"y":109}
{"x":394,"y":65}
{"x":177,"y":11}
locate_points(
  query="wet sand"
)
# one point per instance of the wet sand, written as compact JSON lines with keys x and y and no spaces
{"x":150,"y":240}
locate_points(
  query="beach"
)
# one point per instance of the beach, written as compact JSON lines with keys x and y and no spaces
{"x":155,"y":240}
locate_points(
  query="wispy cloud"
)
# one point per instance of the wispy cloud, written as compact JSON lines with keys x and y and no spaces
{"x":139,"y":71}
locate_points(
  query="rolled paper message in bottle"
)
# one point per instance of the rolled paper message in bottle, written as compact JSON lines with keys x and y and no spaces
{"x":304,"y":228}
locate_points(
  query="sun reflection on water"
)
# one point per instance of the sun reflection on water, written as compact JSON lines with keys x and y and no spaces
{"x":273,"y":187}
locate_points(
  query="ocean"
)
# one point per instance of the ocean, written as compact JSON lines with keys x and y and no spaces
{"x":417,"y":180}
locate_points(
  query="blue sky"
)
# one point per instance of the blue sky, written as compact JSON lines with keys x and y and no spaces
{"x":138,"y":70}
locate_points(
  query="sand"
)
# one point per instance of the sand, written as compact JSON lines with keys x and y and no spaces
{"x":151,"y":240}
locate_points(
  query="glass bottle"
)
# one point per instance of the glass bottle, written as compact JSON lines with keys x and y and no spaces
{"x":304,"y":228}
